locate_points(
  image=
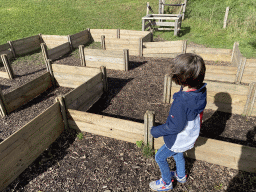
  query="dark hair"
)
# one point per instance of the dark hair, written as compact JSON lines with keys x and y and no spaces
{"x":188,"y":70}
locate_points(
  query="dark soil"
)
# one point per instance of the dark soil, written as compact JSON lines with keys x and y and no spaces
{"x":97,"y":163}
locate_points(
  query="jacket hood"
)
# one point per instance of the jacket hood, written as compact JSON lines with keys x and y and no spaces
{"x":195,"y":100}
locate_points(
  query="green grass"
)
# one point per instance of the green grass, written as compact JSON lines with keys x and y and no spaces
{"x":203,"y":20}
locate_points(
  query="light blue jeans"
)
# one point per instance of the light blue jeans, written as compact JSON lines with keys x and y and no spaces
{"x":161,"y":158}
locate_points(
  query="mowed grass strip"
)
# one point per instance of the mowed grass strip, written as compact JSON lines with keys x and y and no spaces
{"x":203,"y":22}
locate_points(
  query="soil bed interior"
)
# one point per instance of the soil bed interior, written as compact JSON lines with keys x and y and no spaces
{"x":97,"y":163}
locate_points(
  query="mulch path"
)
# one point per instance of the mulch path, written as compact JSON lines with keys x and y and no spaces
{"x":97,"y":163}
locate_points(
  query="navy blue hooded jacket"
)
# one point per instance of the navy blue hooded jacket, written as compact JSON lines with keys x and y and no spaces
{"x":183,"y":123}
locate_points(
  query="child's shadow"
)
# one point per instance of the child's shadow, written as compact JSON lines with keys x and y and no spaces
{"x":213,"y":126}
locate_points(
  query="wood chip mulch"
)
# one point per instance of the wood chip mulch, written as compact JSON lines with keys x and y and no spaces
{"x":97,"y":163}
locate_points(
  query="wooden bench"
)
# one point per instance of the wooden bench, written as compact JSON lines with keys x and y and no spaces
{"x":174,"y":22}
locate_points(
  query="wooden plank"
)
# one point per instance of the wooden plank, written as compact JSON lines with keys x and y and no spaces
{"x":106,"y":64}
{"x":25,"y":93}
{"x":209,"y":51}
{"x":83,"y":88}
{"x":105,"y":131}
{"x":165,"y":55}
{"x":118,"y":47}
{"x":20,"y":136}
{"x":54,"y":40}
{"x":26,"y":40}
{"x":167,"y":24}
{"x":251,"y":63}
{"x":91,"y":101}
{"x":162,"y":50}
{"x":122,"y":41}
{"x":221,"y":73}
{"x":103,"y":53}
{"x":4,"y":74}
{"x":232,"y":89}
{"x":58,"y":51}
{"x":72,"y":78}
{"x":85,"y":71}
{"x":124,"y":32}
{"x":166,"y":44}
{"x":100,"y":120}
{"x":27,"y":45}
{"x":97,"y":33}
{"x":92,"y":59}
{"x":28,"y":143}
{"x":86,"y":97}
{"x":220,"y":77}
{"x":221,"y":153}
{"x":80,"y":38}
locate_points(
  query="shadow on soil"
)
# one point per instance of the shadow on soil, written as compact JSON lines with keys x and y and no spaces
{"x":49,"y":158}
{"x":115,"y":85}
{"x":133,"y":64}
{"x":245,"y":181}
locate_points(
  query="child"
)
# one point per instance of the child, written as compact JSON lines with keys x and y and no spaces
{"x":183,"y":123}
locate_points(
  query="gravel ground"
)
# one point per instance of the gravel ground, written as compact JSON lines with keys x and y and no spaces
{"x":96,"y":163}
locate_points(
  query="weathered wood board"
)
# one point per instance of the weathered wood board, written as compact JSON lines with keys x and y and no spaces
{"x":222,"y":96}
{"x":90,"y":89}
{"x":97,"y":33}
{"x":19,"y":150}
{"x":54,"y":40}
{"x":220,"y":153}
{"x":106,"y":126}
{"x":172,"y":48}
{"x":220,"y":73}
{"x":80,"y":38}
{"x":211,"y":54}
{"x":109,"y":59}
{"x":58,"y":51}
{"x":72,"y":76}
{"x":26,"y":45}
{"x":27,"y":92}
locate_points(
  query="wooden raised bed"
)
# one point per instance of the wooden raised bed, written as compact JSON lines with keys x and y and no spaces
{"x":116,"y":39}
{"x":18,"y":97}
{"x":19,"y":150}
{"x":164,"y":49}
{"x":221,"y":96}
{"x":118,"y":60}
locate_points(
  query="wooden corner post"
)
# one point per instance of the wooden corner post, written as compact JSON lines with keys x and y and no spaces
{"x":167,"y":88}
{"x":149,"y":122}
{"x":141,"y":47}
{"x":103,"y":45}
{"x":248,"y":108}
{"x":81,"y":54}
{"x":126,"y":59}
{"x":49,"y":69}
{"x":3,"y":109}
{"x":118,"y":33}
{"x":104,"y":77}
{"x":7,"y":66}
{"x":240,"y":70}
{"x":61,"y":100}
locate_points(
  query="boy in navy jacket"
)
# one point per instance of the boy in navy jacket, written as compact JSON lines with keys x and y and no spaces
{"x":183,"y":123}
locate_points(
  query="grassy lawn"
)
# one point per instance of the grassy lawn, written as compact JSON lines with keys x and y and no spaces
{"x":203,"y":22}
